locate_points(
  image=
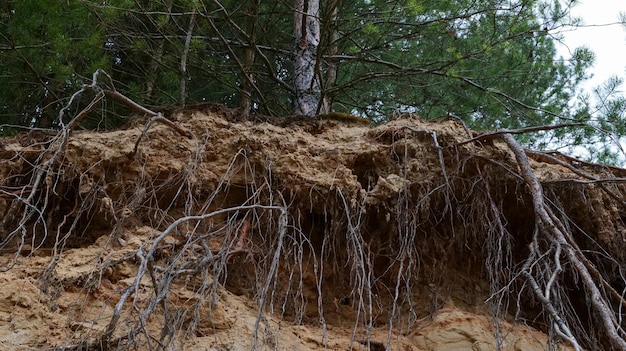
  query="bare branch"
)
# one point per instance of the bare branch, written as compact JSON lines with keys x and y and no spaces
{"x":496,"y":134}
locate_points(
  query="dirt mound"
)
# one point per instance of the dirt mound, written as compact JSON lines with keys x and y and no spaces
{"x":207,"y":231}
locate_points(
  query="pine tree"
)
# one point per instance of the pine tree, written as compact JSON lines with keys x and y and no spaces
{"x":492,"y":63}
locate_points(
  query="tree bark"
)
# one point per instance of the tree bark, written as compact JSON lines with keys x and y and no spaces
{"x":307,"y":38}
{"x":331,"y":49}
{"x":247,"y":78}
{"x":157,"y":57}
{"x":183,"y":60}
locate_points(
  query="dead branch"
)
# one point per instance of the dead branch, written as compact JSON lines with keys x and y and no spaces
{"x":580,"y":163}
{"x":112,"y":92}
{"x":575,"y":170}
{"x":498,"y":133}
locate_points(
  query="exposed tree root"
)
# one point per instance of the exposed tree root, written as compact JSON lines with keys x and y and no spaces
{"x":555,"y":231}
{"x":375,"y":228}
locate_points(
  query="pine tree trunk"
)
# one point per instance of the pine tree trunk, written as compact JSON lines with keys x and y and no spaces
{"x":157,"y":57}
{"x":247,"y":76}
{"x":183,"y":60}
{"x":331,"y":49}
{"x":307,"y":35}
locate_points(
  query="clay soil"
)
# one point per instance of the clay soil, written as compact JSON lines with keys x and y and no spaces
{"x":287,"y":234}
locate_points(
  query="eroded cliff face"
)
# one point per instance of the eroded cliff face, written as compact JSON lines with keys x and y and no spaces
{"x":235,"y":235}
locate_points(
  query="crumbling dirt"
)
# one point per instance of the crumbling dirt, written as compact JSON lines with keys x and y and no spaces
{"x":314,"y":235}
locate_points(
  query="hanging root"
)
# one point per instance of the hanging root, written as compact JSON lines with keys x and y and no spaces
{"x":550,"y":228}
{"x":379,"y":235}
{"x":34,"y":197}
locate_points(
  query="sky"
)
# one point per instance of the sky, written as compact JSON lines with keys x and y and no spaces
{"x":603,"y":34}
{"x":606,"y":37}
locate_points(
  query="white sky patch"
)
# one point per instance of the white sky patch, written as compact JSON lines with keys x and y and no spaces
{"x":603,"y":34}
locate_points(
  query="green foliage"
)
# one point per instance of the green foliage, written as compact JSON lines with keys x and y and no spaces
{"x":469,"y":58}
{"x":46,"y":48}
{"x":490,"y":62}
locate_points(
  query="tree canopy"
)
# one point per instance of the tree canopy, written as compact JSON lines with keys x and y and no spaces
{"x":492,"y":63}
